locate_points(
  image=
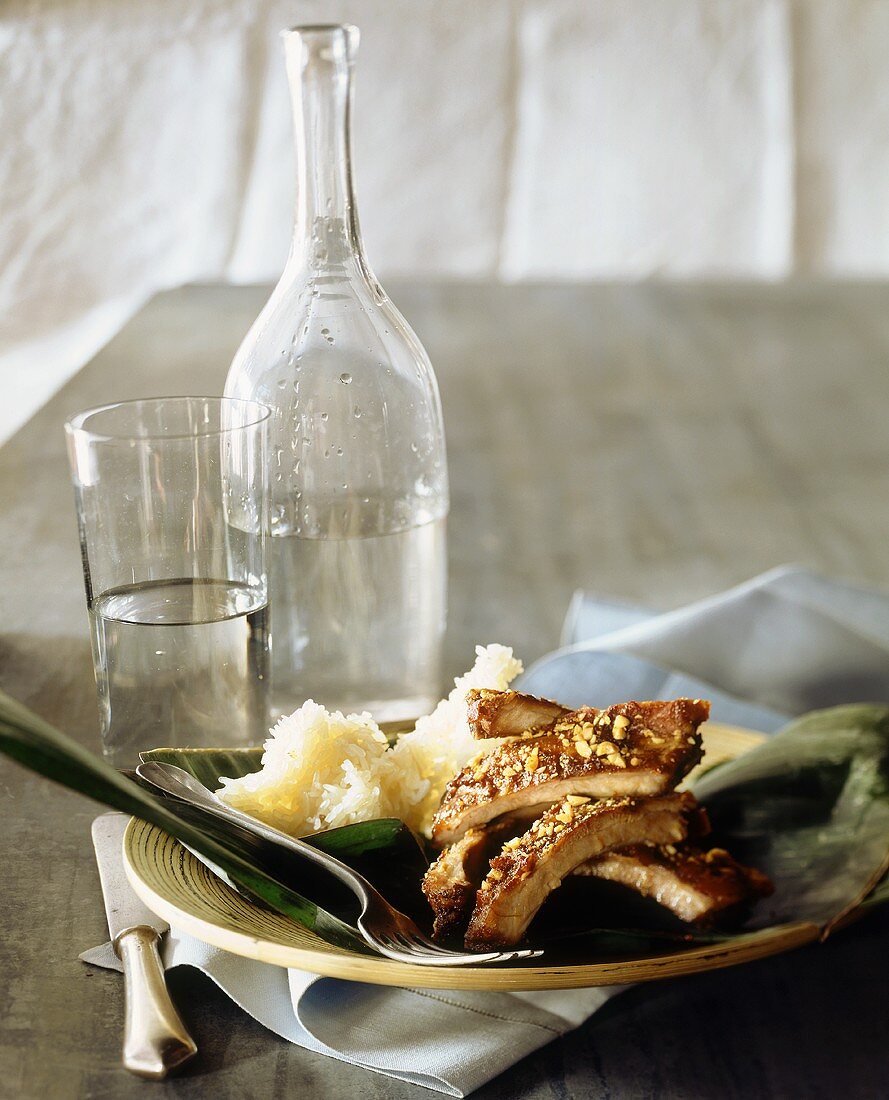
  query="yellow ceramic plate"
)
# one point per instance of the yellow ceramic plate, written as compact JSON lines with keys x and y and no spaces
{"x":180,"y":889}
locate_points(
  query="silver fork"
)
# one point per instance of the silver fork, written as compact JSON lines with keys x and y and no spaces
{"x":387,"y":930}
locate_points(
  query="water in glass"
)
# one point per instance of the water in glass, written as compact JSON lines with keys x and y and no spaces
{"x":183,"y":660}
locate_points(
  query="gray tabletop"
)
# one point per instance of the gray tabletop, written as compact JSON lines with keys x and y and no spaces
{"x":654,"y":444}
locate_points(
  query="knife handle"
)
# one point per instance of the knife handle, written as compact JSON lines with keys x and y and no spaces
{"x":155,"y":1038}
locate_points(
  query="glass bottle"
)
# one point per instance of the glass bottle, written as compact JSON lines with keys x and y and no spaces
{"x":358,"y":471}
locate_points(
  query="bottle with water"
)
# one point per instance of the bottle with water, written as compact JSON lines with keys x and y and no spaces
{"x":358,"y":472}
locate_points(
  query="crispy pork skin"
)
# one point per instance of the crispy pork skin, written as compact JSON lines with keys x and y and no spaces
{"x":633,"y":749}
{"x":508,"y":713}
{"x":698,"y":886}
{"x":568,"y":834}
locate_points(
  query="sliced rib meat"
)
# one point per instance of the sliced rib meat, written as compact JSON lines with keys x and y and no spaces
{"x":568,"y":834}
{"x":635,"y":749}
{"x":452,"y":880}
{"x":508,"y":713}
{"x":697,"y":886}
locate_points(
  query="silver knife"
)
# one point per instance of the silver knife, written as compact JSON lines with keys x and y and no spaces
{"x":155,"y":1038}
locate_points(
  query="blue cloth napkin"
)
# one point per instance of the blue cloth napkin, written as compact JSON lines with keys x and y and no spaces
{"x":779,"y":645}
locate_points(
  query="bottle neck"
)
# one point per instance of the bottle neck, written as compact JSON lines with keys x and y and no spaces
{"x":319,"y":68}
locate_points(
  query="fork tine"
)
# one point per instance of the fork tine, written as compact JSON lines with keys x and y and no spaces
{"x":456,"y":959}
{"x":422,"y":942}
{"x":396,"y":936}
{"x":403,"y":949}
{"x":427,"y":946}
{"x":399,"y":940}
{"x":419,"y":944}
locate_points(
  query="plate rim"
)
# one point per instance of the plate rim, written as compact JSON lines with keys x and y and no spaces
{"x":336,"y":964}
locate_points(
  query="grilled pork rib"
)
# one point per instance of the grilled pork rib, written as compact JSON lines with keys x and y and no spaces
{"x":633,"y":749}
{"x":565,"y":836}
{"x":508,"y":713}
{"x":452,"y":880}
{"x":697,"y":886}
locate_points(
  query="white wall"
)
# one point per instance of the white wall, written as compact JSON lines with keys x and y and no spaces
{"x":144,"y":143}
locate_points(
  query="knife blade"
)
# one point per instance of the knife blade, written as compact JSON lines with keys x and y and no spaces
{"x":155,"y":1038}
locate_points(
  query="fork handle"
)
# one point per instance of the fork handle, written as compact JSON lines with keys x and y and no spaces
{"x":155,"y":1038}
{"x":164,"y":777}
{"x":351,"y":878}
{"x":174,"y":781}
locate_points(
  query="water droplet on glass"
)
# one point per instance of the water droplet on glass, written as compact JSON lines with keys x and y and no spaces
{"x":345,"y":378}
{"x":339,"y":451}
{"x":357,"y":412}
{"x":325,"y":332}
{"x":414,"y":448}
{"x":325,"y":417}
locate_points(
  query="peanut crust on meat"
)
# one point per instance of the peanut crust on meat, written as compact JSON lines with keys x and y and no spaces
{"x":568,"y":834}
{"x":452,"y":880}
{"x":698,"y":886}
{"x":493,"y":713}
{"x":632,"y":749}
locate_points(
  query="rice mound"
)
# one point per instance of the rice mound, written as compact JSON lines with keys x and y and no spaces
{"x":322,"y":769}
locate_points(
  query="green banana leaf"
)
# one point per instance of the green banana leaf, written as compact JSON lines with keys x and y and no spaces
{"x":208,"y":765}
{"x":28,"y":739}
{"x":879,"y":895}
{"x":384,"y":850}
{"x":810,"y":807}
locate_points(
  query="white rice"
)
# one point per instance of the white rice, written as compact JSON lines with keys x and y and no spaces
{"x":320,"y":770}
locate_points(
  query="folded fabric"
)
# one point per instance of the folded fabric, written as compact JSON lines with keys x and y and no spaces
{"x":782,"y":644}
{"x":461,"y":1039}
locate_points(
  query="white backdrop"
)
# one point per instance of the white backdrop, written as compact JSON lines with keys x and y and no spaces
{"x":146,"y":143}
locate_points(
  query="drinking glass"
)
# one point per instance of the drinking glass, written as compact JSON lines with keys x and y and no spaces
{"x":173,"y":512}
